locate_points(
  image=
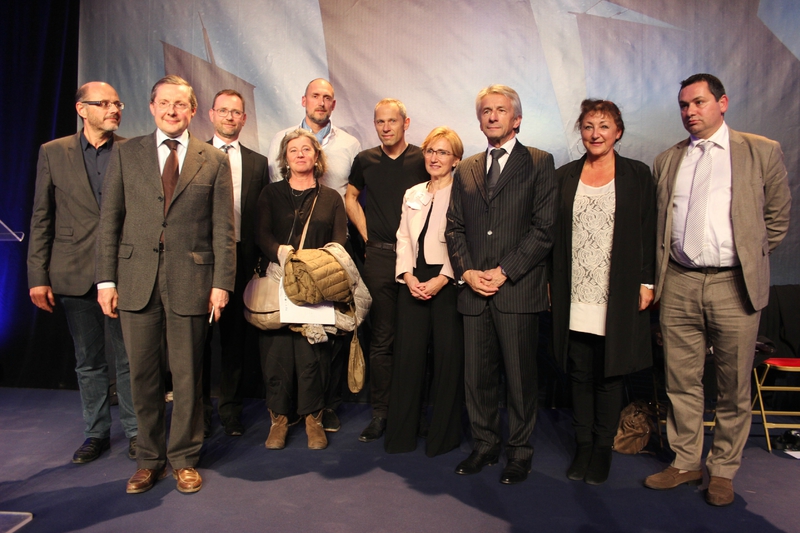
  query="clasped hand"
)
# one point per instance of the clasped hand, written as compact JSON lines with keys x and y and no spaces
{"x":485,"y":282}
{"x":425,"y":290}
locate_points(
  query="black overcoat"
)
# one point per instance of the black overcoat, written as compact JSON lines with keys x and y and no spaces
{"x":628,"y":347}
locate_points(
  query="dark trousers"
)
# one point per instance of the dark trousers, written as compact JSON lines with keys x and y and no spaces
{"x":151,"y":334}
{"x":286,"y":354}
{"x":339,"y":354}
{"x":417,"y":323}
{"x":596,"y":399}
{"x":492,"y":338}
{"x":233,"y":331}
{"x":88,"y":327}
{"x":379,"y":277}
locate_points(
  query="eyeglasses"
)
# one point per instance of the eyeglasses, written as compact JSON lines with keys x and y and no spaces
{"x":179,"y":106}
{"x":105,"y":104}
{"x":439,"y":153}
{"x":224,"y":112}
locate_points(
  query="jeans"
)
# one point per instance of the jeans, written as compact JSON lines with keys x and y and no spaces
{"x":88,"y":327}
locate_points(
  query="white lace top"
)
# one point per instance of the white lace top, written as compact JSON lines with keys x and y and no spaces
{"x":592,"y":235}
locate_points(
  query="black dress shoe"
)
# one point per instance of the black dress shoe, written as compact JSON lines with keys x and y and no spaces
{"x":233,"y":427}
{"x":374,"y":430}
{"x":516,"y":471}
{"x":91,"y":450}
{"x":132,"y":447}
{"x":330,"y":421}
{"x":475,"y":463}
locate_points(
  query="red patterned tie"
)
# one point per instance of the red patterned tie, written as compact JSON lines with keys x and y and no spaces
{"x":169,"y":176}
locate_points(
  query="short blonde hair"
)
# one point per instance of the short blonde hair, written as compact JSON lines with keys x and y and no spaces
{"x":392,"y":101}
{"x":443,"y":132}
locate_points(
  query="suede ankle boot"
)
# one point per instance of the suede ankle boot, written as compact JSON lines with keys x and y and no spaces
{"x":277,"y":432}
{"x":316,"y":434}
{"x":577,"y":470}
{"x":599,"y":465}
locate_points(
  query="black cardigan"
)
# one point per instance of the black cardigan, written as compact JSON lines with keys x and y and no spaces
{"x":276,"y":219}
{"x":628,"y":346}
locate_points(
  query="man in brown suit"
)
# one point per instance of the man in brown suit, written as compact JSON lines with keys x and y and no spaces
{"x":723,"y":206}
{"x":66,"y":213}
{"x":166,"y":258}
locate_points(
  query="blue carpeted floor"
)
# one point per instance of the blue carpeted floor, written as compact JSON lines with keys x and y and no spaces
{"x":356,"y":487}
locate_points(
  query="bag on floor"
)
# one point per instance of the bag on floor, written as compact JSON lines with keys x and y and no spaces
{"x":635,"y":427}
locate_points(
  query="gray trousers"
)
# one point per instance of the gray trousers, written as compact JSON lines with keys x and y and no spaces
{"x":699,"y":309}
{"x":153,"y":336}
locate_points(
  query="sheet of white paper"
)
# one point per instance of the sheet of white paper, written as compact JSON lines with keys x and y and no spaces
{"x":794,"y":454}
{"x":322,"y":313}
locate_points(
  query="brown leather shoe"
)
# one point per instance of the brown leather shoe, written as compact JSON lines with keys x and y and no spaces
{"x":720,"y":491}
{"x":671,"y":478}
{"x":277,"y":432}
{"x":189,"y":479}
{"x":144,"y":479}
{"x":316,"y":435}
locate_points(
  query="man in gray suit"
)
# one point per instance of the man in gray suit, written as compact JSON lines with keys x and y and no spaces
{"x":723,"y":206}
{"x":166,"y":258}
{"x":499,"y":232}
{"x":66,"y":213}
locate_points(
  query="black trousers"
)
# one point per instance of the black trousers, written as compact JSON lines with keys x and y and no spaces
{"x":596,"y":399}
{"x":286,"y":354}
{"x":233,"y":332}
{"x":379,"y":277}
{"x":419,"y":322}
{"x":489,"y":339}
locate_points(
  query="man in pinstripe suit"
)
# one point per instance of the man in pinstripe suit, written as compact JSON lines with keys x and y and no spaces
{"x":499,"y":232}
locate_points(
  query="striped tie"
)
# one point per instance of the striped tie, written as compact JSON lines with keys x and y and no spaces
{"x":694,"y":231}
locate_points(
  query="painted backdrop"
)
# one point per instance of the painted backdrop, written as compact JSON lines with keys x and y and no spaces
{"x":436,"y":55}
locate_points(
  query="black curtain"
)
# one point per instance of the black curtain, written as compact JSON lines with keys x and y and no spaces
{"x":37,"y":88}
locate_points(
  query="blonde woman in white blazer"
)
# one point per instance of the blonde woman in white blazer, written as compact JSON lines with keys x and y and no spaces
{"x":426,"y":311}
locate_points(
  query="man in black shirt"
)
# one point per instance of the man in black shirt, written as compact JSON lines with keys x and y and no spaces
{"x":386,"y":171}
{"x":61,"y":261}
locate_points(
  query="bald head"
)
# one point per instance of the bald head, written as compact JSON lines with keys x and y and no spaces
{"x":319,"y":103}
{"x":98,"y":105}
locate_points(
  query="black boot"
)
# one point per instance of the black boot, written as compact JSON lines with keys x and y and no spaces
{"x":577,"y":470}
{"x":599,"y":465}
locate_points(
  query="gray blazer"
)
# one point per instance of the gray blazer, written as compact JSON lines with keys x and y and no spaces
{"x":64,"y":220}
{"x":760,"y":207}
{"x":200,"y":250}
{"x":513,"y":227}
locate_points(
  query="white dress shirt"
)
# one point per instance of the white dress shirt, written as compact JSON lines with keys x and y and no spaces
{"x":235,"y":159}
{"x":163,"y":149}
{"x":719,"y":249}
{"x":507,"y":146}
